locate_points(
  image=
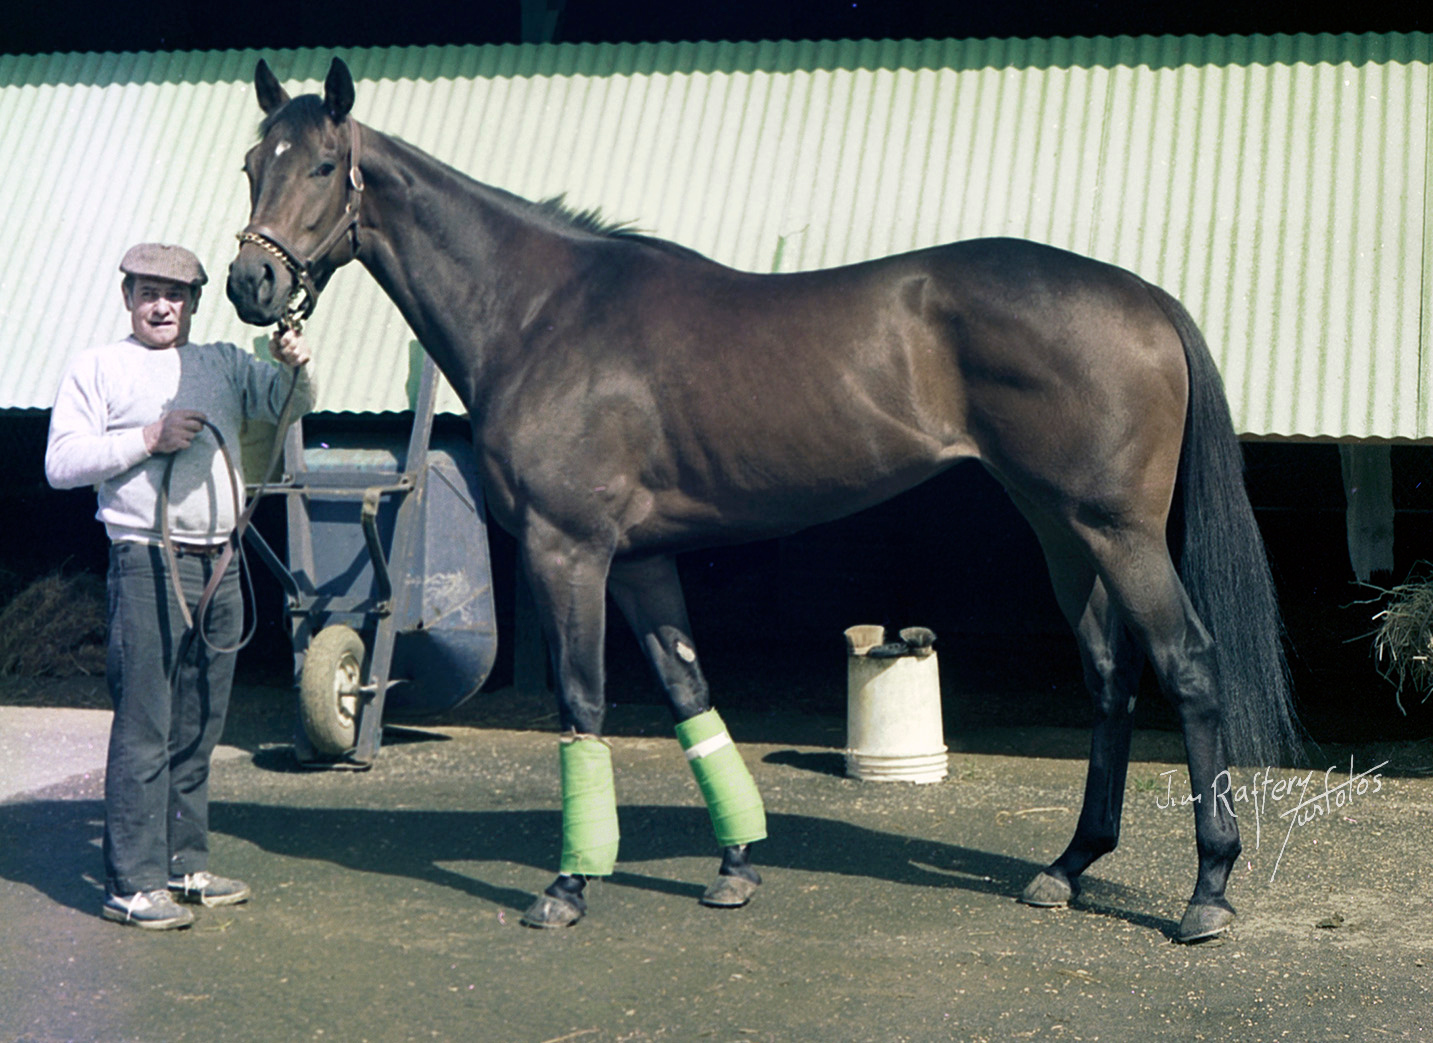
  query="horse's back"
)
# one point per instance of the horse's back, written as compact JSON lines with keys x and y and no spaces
{"x":1062,"y":373}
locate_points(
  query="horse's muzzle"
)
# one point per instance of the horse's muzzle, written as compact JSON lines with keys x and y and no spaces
{"x":258,"y":286}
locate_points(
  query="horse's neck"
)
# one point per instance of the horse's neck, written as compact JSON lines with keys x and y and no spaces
{"x":441,"y":247}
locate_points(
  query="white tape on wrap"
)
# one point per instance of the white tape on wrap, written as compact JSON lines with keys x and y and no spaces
{"x":708,"y":746}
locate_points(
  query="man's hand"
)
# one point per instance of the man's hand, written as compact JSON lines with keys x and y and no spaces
{"x":288,"y":347}
{"x":173,"y":431}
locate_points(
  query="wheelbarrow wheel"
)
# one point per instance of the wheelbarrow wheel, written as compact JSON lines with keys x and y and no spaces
{"x":330,"y":689}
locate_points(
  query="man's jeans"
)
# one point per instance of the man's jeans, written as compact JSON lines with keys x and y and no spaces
{"x":157,"y":778}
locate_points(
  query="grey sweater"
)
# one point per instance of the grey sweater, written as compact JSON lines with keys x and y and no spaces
{"x":108,"y":396}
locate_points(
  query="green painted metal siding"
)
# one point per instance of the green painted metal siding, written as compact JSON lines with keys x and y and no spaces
{"x":1278,"y":185}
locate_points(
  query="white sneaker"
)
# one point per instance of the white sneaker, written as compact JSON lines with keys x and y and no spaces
{"x":152,"y":910}
{"x":208,"y":890}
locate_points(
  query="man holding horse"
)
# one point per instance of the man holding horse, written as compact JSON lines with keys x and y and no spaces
{"x":147,"y":420}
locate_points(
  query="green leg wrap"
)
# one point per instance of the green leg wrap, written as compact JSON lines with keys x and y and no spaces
{"x":731,"y":795}
{"x":589,"y":808}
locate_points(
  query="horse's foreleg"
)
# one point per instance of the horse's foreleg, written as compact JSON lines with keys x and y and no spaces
{"x":650,"y":595}
{"x":738,"y":817}
{"x":569,"y":585}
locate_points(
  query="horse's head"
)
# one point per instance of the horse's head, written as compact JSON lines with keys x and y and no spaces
{"x":305,"y":192}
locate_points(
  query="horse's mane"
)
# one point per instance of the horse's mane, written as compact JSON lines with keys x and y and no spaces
{"x":589,"y":220}
{"x":308,"y":110}
{"x":593,"y":222}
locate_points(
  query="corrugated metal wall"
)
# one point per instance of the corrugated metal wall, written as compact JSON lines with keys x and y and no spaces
{"x":1276,"y":184}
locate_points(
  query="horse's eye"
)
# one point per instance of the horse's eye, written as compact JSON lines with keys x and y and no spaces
{"x":324,"y":169}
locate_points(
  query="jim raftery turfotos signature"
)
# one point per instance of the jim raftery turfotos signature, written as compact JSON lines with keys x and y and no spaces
{"x":1312,"y":801}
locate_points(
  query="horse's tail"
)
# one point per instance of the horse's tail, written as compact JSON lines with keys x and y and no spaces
{"x":1224,"y":567}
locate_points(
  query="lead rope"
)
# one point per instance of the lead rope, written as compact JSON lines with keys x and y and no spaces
{"x":194,"y":622}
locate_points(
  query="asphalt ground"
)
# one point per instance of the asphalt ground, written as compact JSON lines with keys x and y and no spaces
{"x":386,"y":903}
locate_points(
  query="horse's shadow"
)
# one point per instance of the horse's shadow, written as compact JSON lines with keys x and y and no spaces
{"x":419,"y":844}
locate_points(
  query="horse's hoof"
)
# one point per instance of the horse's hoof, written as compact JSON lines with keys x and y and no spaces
{"x":729,"y":892}
{"x":1047,"y":892}
{"x":548,"y":911}
{"x":1202,"y":922}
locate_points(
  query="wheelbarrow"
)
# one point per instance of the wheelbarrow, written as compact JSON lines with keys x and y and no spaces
{"x":388,"y":586}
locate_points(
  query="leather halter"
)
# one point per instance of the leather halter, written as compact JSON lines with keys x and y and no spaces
{"x":300,"y":266}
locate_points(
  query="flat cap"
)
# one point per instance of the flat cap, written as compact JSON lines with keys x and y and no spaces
{"x":159,"y":261}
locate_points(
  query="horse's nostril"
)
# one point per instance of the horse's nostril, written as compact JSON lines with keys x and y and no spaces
{"x":264,"y":284}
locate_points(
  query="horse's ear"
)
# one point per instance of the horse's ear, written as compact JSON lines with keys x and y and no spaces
{"x":338,"y":91}
{"x":266,"y":85}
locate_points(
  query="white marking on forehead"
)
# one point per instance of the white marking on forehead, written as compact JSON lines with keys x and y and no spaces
{"x":281,"y":148}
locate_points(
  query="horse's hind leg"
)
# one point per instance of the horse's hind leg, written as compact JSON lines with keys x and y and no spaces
{"x":1144,"y":589}
{"x":650,"y":595}
{"x":1112,"y":667}
{"x":1112,"y":662}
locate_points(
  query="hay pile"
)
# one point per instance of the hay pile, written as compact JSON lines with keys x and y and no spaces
{"x":55,"y":627}
{"x":1403,"y":642}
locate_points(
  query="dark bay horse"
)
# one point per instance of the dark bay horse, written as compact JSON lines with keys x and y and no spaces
{"x":631,"y":399}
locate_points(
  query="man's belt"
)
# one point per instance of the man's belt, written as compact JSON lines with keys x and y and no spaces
{"x":197,"y":550}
